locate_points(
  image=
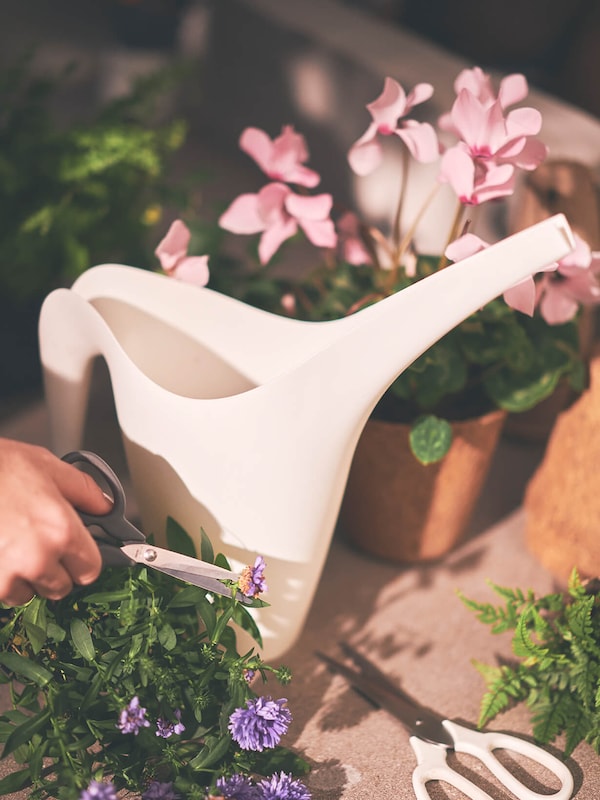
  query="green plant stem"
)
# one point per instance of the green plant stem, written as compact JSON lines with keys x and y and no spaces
{"x":454,"y":229}
{"x":403,"y":187}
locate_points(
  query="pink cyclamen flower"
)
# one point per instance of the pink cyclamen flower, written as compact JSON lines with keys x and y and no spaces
{"x":282,"y":158}
{"x":392,"y":104}
{"x":495,"y":142}
{"x":277,"y":212}
{"x":172,"y":254}
{"x":574,"y":283}
{"x":561,"y":288}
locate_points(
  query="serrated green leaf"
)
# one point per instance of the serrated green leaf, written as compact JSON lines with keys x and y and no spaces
{"x":82,"y":639}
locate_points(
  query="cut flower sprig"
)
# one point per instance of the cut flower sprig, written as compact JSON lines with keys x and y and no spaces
{"x":136,"y":684}
{"x":510,"y":354}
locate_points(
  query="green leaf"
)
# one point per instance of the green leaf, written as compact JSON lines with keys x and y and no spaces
{"x":211,"y":753}
{"x":430,"y":438}
{"x":26,"y":668}
{"x":15,"y":782}
{"x":82,"y":639}
{"x":178,"y":539}
{"x":206,"y":549}
{"x":35,"y":622}
{"x":167,"y":636}
{"x":24,"y":733}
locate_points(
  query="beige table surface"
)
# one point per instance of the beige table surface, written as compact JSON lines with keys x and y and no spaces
{"x":407,"y":618}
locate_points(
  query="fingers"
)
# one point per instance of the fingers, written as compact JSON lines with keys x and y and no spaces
{"x":79,"y":488}
{"x":44,"y":546}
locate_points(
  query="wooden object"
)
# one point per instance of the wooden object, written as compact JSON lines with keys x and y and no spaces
{"x":562,"y":500}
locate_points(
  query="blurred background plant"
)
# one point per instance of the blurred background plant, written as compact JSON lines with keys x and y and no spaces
{"x":73,"y":195}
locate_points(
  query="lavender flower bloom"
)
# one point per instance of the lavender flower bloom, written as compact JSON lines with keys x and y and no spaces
{"x":282,"y":787}
{"x":165,"y":728}
{"x":252,"y":580}
{"x":99,"y":791}
{"x":237,"y":787}
{"x":261,"y":724}
{"x":160,"y":791}
{"x":133,"y":718}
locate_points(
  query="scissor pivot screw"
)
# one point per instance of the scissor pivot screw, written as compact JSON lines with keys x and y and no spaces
{"x":150,"y":554}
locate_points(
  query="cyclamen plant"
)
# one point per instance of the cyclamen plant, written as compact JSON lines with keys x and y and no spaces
{"x":135,"y":685}
{"x":511,"y":354}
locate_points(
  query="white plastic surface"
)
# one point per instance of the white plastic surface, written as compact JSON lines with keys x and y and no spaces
{"x":244,"y":422}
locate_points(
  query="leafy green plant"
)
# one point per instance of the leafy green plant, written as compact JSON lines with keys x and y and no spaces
{"x":98,"y":678}
{"x":79,"y":194}
{"x":557,"y":641}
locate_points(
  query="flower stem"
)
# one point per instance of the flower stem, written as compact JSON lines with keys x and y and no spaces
{"x":456,"y":223}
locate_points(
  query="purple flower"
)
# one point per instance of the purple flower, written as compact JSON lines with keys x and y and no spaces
{"x":252,"y":580}
{"x":133,"y":718}
{"x":160,"y":791}
{"x":282,"y":787}
{"x":261,"y":724}
{"x":99,"y":791}
{"x":237,"y":787}
{"x":166,"y":728}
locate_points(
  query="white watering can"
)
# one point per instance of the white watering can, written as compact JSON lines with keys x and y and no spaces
{"x":244,"y":422}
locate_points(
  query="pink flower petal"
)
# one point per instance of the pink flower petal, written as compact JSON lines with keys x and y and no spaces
{"x":513,"y":89}
{"x":420,"y":94}
{"x":466,"y":245}
{"x":523,"y":122}
{"x":421,"y":140}
{"x":365,"y":154}
{"x":193,"y":269}
{"x":243,"y":215}
{"x":457,"y":169}
{"x":273,"y":238}
{"x":258,"y":145}
{"x":311,"y":208}
{"x":556,"y":307}
{"x":320,"y":232}
{"x":522,"y":296}
{"x":579,"y":258}
{"x":388,"y":107}
{"x":173,"y":247}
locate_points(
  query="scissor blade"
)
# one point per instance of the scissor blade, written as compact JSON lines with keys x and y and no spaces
{"x":188,"y":569}
{"x":376,"y":688}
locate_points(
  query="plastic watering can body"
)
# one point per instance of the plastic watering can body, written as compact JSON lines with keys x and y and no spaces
{"x":243,"y":422}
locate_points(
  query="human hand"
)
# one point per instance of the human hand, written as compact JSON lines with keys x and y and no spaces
{"x":44,"y":546}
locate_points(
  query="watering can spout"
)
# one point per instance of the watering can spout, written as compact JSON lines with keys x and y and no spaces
{"x":381,"y":341}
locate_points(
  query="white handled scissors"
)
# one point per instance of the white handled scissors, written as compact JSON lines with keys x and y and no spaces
{"x":432,"y":736}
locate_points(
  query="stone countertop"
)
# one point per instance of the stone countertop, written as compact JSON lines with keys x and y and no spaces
{"x":408,"y":619}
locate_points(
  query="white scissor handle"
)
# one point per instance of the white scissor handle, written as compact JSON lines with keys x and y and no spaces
{"x":482,"y":746}
{"x":432,"y":766}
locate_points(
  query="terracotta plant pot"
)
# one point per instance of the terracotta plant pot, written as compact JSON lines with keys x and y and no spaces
{"x":396,"y":508}
{"x":562,"y":501}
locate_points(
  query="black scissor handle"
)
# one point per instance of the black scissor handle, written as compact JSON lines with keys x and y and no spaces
{"x":113,"y":523}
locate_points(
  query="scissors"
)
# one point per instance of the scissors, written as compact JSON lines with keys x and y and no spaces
{"x":432,"y":736}
{"x":125,"y":545}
